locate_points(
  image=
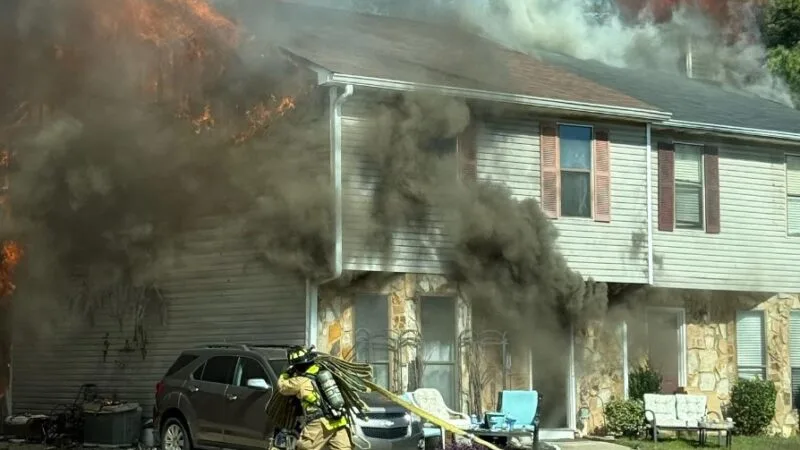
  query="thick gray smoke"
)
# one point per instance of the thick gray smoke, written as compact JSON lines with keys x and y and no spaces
{"x":506,"y":259}
{"x":595,"y":29}
{"x":107,"y":177}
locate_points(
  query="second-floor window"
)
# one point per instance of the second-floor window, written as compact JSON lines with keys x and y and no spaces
{"x":688,"y":186}
{"x":575,"y":162}
{"x":575,"y":144}
{"x":793,"y":195}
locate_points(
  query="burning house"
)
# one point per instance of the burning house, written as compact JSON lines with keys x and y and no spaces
{"x":460,"y":215}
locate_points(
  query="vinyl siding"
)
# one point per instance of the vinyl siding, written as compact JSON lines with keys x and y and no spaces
{"x":752,"y":252}
{"x":216,"y":293}
{"x":420,"y":247}
{"x":508,"y":153}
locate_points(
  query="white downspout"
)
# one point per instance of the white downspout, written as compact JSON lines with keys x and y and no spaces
{"x":312,"y":289}
{"x":530,"y":369}
{"x":625,"y":366}
{"x":572,"y":385}
{"x":649,"y":193}
{"x":312,"y":312}
{"x":336,"y":173}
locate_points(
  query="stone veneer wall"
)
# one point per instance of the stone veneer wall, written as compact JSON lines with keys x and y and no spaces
{"x":711,"y":352}
{"x":336,"y":333}
{"x":598,"y":368}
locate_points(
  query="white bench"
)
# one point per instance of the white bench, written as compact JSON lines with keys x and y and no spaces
{"x":675,"y":412}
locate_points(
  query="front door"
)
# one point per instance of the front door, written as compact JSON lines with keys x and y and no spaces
{"x":206,"y":392}
{"x":246,"y":422}
{"x":664,"y":346}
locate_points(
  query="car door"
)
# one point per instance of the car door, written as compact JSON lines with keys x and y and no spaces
{"x":246,"y":417}
{"x":206,"y":390}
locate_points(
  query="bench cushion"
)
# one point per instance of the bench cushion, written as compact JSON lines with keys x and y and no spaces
{"x":662,"y":406}
{"x":691,"y":408}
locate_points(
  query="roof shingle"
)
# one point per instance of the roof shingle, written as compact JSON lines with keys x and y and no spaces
{"x":687,"y":99}
{"x":404,"y":50}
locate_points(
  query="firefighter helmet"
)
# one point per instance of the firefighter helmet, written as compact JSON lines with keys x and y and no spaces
{"x":300,"y":355}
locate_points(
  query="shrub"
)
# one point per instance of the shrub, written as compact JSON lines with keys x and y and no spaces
{"x":752,"y":405}
{"x":625,"y":417}
{"x":644,"y":380}
{"x":468,"y":445}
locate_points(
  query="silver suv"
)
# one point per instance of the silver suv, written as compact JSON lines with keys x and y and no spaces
{"x":215,"y":396}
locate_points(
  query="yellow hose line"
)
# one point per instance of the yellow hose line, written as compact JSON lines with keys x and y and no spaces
{"x":429,"y":417}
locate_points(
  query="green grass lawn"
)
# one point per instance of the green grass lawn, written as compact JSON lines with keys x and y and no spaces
{"x":739,"y":443}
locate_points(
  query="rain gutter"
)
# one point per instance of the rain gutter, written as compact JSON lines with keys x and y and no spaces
{"x":727,"y":129}
{"x":477,"y":94}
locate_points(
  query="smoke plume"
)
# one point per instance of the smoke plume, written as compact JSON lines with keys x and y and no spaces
{"x":724,"y":34}
{"x":125,"y":134}
{"x":505,"y":260}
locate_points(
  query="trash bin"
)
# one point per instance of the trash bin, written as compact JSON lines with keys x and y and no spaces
{"x":112,"y":425}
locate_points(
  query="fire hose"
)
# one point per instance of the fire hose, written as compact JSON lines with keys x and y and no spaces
{"x":428,"y":416}
{"x":354,"y":378}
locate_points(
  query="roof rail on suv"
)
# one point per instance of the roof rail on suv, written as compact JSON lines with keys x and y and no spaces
{"x":245,"y":346}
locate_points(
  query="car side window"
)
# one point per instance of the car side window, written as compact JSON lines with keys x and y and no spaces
{"x":198,"y":373}
{"x":249,"y":368}
{"x":219,"y":369}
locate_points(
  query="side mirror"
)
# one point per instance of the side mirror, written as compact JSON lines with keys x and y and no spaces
{"x":258,"y":383}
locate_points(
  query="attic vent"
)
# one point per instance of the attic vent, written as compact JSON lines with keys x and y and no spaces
{"x":697,"y":63}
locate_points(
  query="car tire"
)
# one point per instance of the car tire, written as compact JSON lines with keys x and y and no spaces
{"x":175,"y":436}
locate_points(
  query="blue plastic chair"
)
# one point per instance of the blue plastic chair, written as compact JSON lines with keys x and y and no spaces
{"x":523,"y":406}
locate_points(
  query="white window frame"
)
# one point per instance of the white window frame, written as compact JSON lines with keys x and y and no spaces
{"x":451,"y":363}
{"x":764,"y":331}
{"x":794,"y":402}
{"x":702,"y":226}
{"x":682,"y":346}
{"x":591,"y":169}
{"x":788,"y":194}
{"x":384,"y":334}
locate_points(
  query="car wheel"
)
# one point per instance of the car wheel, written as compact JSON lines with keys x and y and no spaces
{"x":175,"y":436}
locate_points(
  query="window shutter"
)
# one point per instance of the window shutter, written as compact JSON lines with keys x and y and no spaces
{"x":602,"y":176}
{"x":551,"y":178}
{"x":666,"y":186}
{"x":468,"y":152}
{"x":711,"y":185}
{"x":794,"y":355}
{"x":750,"y":344}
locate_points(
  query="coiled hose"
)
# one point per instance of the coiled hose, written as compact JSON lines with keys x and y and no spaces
{"x":351,"y":377}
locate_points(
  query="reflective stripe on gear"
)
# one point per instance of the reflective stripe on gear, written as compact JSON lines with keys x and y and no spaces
{"x":316,"y":434}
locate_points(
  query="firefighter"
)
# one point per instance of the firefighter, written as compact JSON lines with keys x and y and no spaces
{"x":324,"y":424}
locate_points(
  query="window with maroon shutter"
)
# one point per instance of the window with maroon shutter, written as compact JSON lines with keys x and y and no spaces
{"x":575,"y":154}
{"x":602,"y":176}
{"x":711,"y":185}
{"x":666,"y":186}
{"x":548,"y":147}
{"x":468,"y":152}
{"x":689,"y":193}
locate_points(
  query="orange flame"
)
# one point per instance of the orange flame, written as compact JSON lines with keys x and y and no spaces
{"x":11,"y":254}
{"x":260,"y":116}
{"x":164,"y":21}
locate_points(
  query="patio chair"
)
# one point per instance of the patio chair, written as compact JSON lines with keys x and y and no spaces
{"x":429,"y":430}
{"x":523,"y":407}
{"x":432,"y":401}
